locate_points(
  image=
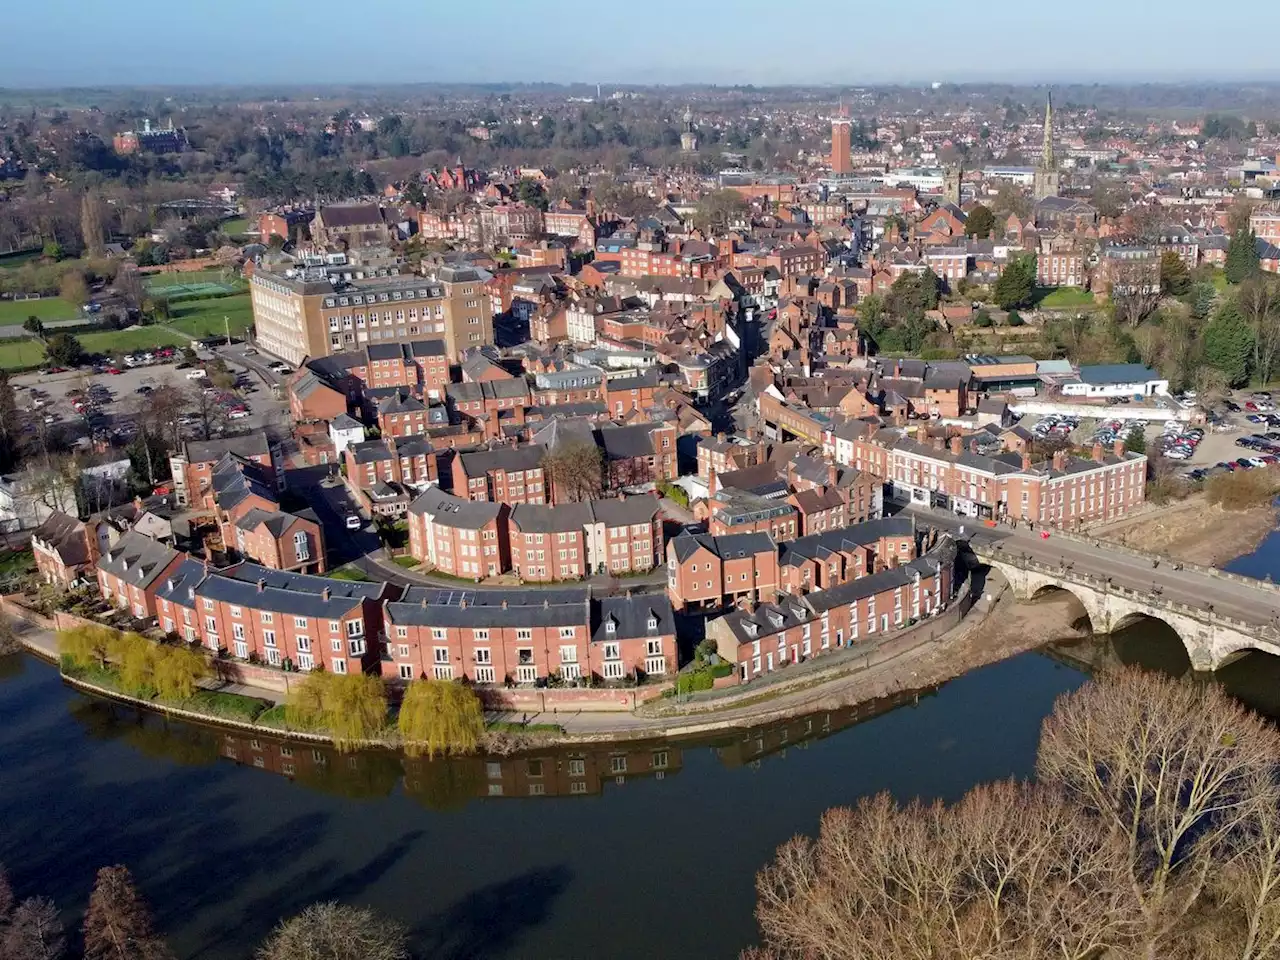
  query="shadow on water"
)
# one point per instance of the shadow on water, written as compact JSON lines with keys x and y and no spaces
{"x":491,"y":920}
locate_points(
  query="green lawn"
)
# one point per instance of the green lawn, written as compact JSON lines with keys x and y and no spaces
{"x":203,"y":318}
{"x":11,"y":261}
{"x":13,"y":312}
{"x":1064,"y":298}
{"x":20,"y":353}
{"x":135,"y":338}
{"x":235,"y":227}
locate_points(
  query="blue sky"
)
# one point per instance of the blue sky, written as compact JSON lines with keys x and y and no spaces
{"x":97,"y":42}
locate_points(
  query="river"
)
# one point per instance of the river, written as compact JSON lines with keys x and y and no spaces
{"x":647,"y":851}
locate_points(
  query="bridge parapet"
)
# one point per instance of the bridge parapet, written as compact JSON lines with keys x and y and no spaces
{"x":1111,"y":545}
{"x":1212,"y":637}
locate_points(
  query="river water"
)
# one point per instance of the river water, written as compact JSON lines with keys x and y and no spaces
{"x":646,"y":851}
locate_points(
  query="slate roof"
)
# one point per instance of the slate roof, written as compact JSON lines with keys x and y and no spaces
{"x":1114,"y":373}
{"x":430,"y":607}
{"x":626,"y":443}
{"x":451,"y":511}
{"x":248,"y":446}
{"x":351,"y":215}
{"x":303,"y":582}
{"x":276,"y":521}
{"x":502,"y":458}
{"x":630,"y":617}
{"x":400,"y":402}
{"x":66,"y":535}
{"x":137,"y":560}
{"x":819,"y":546}
{"x":370,"y":451}
{"x":536,"y":518}
{"x":345,"y":421}
{"x":733,"y":546}
{"x":179,"y":587}
{"x":283,"y":600}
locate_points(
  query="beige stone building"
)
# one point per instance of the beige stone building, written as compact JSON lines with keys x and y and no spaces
{"x":315,"y":313}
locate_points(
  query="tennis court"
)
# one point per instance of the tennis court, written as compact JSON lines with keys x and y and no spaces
{"x":195,"y":284}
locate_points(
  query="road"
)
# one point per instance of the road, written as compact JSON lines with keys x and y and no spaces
{"x":1253,"y":602}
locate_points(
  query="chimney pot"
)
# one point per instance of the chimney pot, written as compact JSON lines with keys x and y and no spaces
{"x":1118,"y":449}
{"x":1026,"y":460}
{"x":1097,"y":453}
{"x":262,"y":584}
{"x":324,"y":594}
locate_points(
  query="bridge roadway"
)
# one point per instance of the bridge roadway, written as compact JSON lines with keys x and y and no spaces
{"x":1216,"y":614}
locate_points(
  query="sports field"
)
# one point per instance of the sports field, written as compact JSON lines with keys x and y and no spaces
{"x":195,"y":284}
{"x":14,"y":312}
{"x":204,"y":318}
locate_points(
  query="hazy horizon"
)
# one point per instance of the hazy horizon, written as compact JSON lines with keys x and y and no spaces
{"x":158,"y":43}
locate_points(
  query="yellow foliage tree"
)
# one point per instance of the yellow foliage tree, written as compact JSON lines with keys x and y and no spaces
{"x":86,"y":646}
{"x":135,"y":658}
{"x":177,"y":668}
{"x":440,"y":717}
{"x":351,"y":707}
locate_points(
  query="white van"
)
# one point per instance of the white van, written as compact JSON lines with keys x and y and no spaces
{"x":197,"y":374}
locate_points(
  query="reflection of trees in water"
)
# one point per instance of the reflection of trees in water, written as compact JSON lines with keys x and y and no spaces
{"x":444,"y":784}
{"x":150,"y":735}
{"x":11,"y":665}
{"x":365,"y":775}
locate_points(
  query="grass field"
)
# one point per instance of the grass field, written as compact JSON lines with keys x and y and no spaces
{"x":203,"y":318}
{"x":20,"y":353}
{"x":235,"y":227}
{"x":13,"y":312}
{"x":1064,"y":298}
{"x":135,"y":338}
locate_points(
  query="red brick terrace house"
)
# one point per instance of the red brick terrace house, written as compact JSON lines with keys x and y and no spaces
{"x":503,"y":475}
{"x":288,"y":619}
{"x":824,"y":560}
{"x":772,"y":635}
{"x":64,"y":550}
{"x":193,"y":468}
{"x":705,"y":572}
{"x":576,"y":540}
{"x":523,"y":637}
{"x":131,"y":571}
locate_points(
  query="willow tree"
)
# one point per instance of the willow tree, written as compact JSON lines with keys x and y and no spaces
{"x":350,"y":707}
{"x":440,"y":717}
{"x":87,"y":645}
{"x":135,"y":659}
{"x":177,"y":670}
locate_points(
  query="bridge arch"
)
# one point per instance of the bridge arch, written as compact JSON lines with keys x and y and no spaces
{"x":1077,"y":598}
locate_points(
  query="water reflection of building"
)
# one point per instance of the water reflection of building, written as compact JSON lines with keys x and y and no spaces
{"x":450,"y":783}
{"x":759,"y":742}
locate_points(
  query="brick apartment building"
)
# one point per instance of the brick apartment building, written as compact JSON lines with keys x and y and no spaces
{"x":576,"y":540}
{"x":509,"y":475}
{"x":131,"y":571}
{"x":458,"y":537}
{"x":507,"y":636}
{"x":705,"y":572}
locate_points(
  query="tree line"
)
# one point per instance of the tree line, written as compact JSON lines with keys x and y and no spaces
{"x":1152,"y":831}
{"x":118,"y":925}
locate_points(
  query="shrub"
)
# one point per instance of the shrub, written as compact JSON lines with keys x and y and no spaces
{"x":1242,"y":489}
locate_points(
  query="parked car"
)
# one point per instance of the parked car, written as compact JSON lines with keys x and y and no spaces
{"x":354,"y":522}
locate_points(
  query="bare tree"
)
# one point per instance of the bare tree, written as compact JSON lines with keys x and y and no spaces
{"x":208,"y":411}
{"x":1168,"y":768}
{"x":1011,"y":871}
{"x":1135,"y":288}
{"x":117,"y":925}
{"x":91,"y":224}
{"x":335,"y":932}
{"x":575,"y":471}
{"x":33,"y":932}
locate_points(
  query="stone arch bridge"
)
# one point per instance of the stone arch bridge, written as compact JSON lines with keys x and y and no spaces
{"x":1217,"y":616}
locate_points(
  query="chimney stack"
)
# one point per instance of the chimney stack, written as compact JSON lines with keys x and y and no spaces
{"x":262,"y":584}
{"x":957,"y":445}
{"x":973,"y":445}
{"x":324,"y":594}
{"x":1060,"y":460}
{"x":1097,"y":453}
{"x":504,"y":604}
{"x":1118,"y":449}
{"x":1026,"y":460}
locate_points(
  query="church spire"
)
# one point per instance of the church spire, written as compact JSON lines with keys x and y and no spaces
{"x":1046,"y":153}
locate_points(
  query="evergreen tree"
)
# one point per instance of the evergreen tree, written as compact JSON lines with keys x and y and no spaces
{"x":1017,"y":284}
{"x":980,"y":222}
{"x":1242,"y":257}
{"x":1175,"y":279}
{"x":1228,"y":344}
{"x":117,"y":925}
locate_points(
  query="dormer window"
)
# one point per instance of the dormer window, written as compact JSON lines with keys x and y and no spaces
{"x":610,"y":627}
{"x":653,"y":623}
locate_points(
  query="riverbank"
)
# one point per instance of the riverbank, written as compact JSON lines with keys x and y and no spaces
{"x":1193,"y":531}
{"x":996,"y":628}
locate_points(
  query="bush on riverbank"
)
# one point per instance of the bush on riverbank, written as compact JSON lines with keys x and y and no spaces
{"x":1241,"y":489}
